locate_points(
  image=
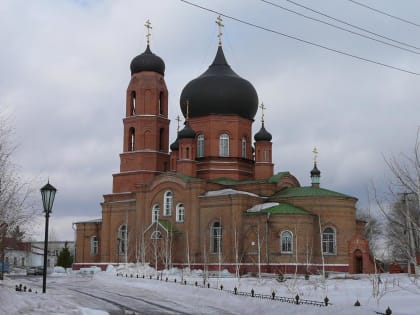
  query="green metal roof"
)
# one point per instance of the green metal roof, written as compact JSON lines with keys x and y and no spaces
{"x":168,"y":226}
{"x":309,"y":192}
{"x":281,"y":208}
{"x":276,"y":178}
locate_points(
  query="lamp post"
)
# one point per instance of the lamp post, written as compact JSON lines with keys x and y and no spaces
{"x":48,"y":194}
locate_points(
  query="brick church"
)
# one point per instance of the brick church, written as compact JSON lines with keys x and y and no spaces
{"x":211,"y":198}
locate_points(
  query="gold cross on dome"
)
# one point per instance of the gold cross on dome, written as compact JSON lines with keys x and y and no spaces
{"x":262,"y":111}
{"x":220,"y":25}
{"x":178,"y":119}
{"x":148,"y":26}
{"x":315,"y":152}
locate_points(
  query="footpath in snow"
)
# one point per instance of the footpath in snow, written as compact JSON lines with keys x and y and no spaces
{"x":189,"y":292}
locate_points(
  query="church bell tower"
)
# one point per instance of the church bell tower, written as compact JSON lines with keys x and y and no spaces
{"x":146,"y":124}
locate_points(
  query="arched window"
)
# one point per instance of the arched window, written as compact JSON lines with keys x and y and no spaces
{"x":122,"y":239}
{"x":243,"y":147}
{"x":156,"y":235}
{"x":224,"y":145}
{"x":180,"y":212}
{"x":216,"y":238}
{"x":286,"y":240}
{"x":329,"y":241}
{"x":155,"y":213}
{"x":167,"y":203}
{"x":200,"y":146}
{"x":94,"y":246}
{"x":133,"y":103}
{"x":131,"y":139}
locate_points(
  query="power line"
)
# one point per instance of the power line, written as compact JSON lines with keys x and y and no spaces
{"x":384,"y":13}
{"x":352,"y":25}
{"x":339,"y":27}
{"x":300,"y":39}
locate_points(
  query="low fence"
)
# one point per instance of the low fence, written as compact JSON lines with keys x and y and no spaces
{"x":292,"y":300}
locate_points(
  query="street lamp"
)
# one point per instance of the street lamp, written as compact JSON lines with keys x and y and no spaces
{"x":48,"y":194}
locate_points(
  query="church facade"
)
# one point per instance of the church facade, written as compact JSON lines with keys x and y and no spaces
{"x":211,"y":199}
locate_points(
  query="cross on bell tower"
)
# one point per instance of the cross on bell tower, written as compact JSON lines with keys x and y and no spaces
{"x":220,"y":25}
{"x":148,"y":26}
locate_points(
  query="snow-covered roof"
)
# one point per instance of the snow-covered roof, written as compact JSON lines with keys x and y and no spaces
{"x":228,"y":191}
{"x":261,"y":206}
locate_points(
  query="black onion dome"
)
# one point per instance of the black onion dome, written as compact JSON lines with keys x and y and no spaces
{"x":263,"y":135}
{"x":187,"y":132}
{"x":147,"y":61}
{"x":175,"y":145}
{"x":219,"y":90}
{"x":315,"y":171}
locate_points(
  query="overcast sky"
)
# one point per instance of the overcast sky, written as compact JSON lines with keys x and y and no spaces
{"x":64,"y":70}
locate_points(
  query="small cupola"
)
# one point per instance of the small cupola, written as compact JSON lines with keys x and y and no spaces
{"x":315,"y":173}
{"x":187,"y":132}
{"x":262,"y":134}
{"x":147,"y":61}
{"x":175,"y":145}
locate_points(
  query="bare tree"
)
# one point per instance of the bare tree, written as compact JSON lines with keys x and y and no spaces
{"x":401,"y":208}
{"x":15,"y":207}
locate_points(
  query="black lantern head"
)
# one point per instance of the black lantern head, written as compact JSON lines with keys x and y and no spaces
{"x":48,"y":194}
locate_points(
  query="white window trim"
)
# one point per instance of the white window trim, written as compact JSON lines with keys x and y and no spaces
{"x":291,"y":242}
{"x":180,"y":217}
{"x":200,"y":145}
{"x":219,"y":236}
{"x":334,"y":242}
{"x":122,"y":239}
{"x":224,"y":145}
{"x":167,"y":203}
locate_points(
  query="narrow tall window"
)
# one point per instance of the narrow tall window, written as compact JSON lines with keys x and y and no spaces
{"x":329,"y":241}
{"x":167,"y":203}
{"x":244,"y":147}
{"x":161,"y":134}
{"x":200,"y":146}
{"x":155,"y":213}
{"x":160,"y":103}
{"x":286,"y":239}
{"x":265,"y":155}
{"x":94,"y":246}
{"x":216,"y":238}
{"x":224,"y":145}
{"x":132,"y":139}
{"x":133,"y":103}
{"x":122,"y":239}
{"x":180,"y":212}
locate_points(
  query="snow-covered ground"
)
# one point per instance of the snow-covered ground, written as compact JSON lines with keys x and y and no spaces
{"x":93,"y":292}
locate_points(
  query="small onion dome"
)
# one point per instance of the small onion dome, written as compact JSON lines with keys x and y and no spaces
{"x":262,"y":135}
{"x":147,"y":61}
{"x":175,"y":145}
{"x":187,"y":132}
{"x":315,"y":171}
{"x":221,"y":91}
{"x":315,"y":176}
